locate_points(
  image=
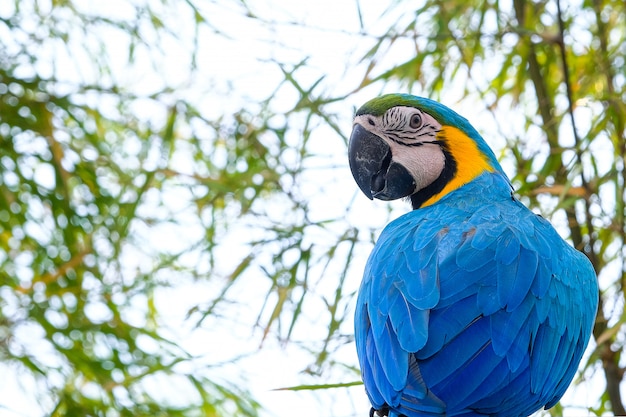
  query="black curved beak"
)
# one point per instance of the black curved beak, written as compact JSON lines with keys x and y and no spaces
{"x":373,"y":169}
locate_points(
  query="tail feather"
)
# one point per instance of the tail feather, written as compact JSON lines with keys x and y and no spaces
{"x":417,"y":399}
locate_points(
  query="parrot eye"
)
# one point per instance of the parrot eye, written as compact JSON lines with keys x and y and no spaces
{"x":416,"y":121}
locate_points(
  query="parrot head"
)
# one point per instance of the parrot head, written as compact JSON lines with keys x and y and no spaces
{"x":407,"y":146}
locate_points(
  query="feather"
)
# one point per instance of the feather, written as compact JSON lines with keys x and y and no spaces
{"x":541,"y":282}
{"x":488,"y":300}
{"x":377,"y":320}
{"x":471,"y":259}
{"x":506,"y":328}
{"x":507,"y":248}
{"x":421,"y":286}
{"x":544,"y":349}
{"x":457,"y":353}
{"x":518,"y":284}
{"x":371,"y":372}
{"x":410,"y":324}
{"x":378,"y":375}
{"x":449,"y":322}
{"x":393,"y":359}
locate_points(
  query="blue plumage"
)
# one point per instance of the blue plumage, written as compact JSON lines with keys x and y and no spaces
{"x":472,"y":305}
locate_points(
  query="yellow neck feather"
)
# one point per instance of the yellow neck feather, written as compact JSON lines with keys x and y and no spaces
{"x":470,"y":161}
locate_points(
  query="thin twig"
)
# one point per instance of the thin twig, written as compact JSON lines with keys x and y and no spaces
{"x":570,"y":104}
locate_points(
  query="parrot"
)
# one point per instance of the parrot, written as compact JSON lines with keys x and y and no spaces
{"x":470,"y":303}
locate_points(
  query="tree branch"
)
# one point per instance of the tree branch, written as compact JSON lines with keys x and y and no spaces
{"x":610,"y":358}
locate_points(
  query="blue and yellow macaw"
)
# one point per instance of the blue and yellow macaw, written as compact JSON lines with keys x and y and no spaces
{"x":470,"y":304}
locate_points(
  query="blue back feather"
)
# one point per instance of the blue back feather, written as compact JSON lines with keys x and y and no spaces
{"x":472,"y":305}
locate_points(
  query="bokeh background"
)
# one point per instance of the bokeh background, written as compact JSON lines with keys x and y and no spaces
{"x":179,"y":231}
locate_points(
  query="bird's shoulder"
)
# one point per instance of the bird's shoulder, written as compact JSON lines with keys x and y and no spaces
{"x":484,"y":234}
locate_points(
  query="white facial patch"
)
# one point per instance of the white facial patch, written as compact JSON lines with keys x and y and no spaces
{"x":412,"y":136}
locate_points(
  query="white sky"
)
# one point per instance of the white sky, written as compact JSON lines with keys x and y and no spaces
{"x":325,"y":32}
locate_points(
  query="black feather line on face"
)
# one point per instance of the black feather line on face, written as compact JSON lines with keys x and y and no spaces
{"x":428,"y":142}
{"x":431,"y":132}
{"x":407,"y":138}
{"x":449,"y":171}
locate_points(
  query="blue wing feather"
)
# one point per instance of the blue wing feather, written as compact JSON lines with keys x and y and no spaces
{"x":508,"y":337}
{"x":487,"y":299}
{"x":519,"y":283}
{"x":474,"y":304}
{"x":469,"y":259}
{"x":378,"y":376}
{"x":484,"y":238}
{"x":507,"y":249}
{"x":410,"y":324}
{"x":448,"y":325}
{"x":541,"y":286}
{"x":393,"y":359}
{"x":543,"y":355}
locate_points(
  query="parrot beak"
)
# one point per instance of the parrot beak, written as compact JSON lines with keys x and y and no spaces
{"x":373,"y":169}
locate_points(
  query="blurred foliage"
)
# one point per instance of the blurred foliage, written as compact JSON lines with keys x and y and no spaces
{"x":100,"y":179}
{"x":81,"y":180}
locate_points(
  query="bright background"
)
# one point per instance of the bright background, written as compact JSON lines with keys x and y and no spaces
{"x":243,"y":54}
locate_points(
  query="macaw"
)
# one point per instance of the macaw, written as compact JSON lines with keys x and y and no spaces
{"x":470,"y":304}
